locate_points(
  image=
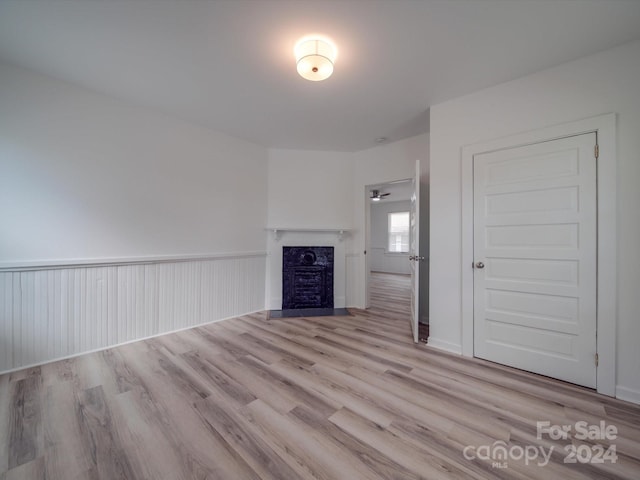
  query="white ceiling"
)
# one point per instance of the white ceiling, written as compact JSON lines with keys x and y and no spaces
{"x":229,"y":64}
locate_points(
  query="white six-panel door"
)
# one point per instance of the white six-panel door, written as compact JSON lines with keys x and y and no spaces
{"x":535,"y":258}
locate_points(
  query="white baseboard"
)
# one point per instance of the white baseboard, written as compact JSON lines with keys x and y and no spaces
{"x":628,"y":394}
{"x":444,"y":345}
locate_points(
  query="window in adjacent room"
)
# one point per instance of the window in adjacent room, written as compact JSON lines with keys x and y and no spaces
{"x":399,"y":232}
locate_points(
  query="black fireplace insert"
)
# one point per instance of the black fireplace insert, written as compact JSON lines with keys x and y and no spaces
{"x":307,"y":277}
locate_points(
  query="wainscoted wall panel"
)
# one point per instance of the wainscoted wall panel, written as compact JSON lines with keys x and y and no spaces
{"x":383,"y":261}
{"x":58,"y":312}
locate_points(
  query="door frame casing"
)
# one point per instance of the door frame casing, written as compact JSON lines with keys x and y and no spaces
{"x":414,"y":240}
{"x":604,"y":126}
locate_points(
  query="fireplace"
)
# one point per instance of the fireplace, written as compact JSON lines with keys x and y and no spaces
{"x":307,"y":277}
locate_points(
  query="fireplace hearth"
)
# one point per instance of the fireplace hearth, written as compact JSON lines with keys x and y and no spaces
{"x":307,"y":278}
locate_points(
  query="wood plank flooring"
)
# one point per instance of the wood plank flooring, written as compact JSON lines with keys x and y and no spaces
{"x":298,"y":398}
{"x":391,"y":296}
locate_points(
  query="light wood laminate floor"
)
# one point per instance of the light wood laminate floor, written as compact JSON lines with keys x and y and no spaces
{"x":390,"y":294}
{"x":312,"y":398}
{"x":391,"y":298}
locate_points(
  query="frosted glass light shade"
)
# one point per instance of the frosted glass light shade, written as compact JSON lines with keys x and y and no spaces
{"x":314,"y":59}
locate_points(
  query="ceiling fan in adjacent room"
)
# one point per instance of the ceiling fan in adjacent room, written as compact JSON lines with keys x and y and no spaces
{"x":376,"y":196}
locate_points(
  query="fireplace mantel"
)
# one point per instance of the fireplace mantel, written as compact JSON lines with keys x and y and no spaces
{"x":279,"y":231}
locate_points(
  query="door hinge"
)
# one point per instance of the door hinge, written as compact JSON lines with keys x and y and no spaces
{"x":596,"y":151}
{"x":597,"y":359}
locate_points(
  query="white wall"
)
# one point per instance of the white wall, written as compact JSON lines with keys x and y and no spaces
{"x":85,"y":176}
{"x":381,"y":259}
{"x":594,"y":85}
{"x":97,"y":185}
{"x":382,"y":164}
{"x":310,"y":189}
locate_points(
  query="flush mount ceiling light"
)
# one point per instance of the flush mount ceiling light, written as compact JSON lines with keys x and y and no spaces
{"x":314,"y":58}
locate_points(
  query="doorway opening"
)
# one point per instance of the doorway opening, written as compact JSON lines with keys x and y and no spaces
{"x":388,"y":250}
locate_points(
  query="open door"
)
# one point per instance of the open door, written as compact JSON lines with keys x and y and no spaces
{"x":415,"y":258}
{"x":367,"y":248}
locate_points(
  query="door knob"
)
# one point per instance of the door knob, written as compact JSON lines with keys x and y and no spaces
{"x":479,"y":265}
